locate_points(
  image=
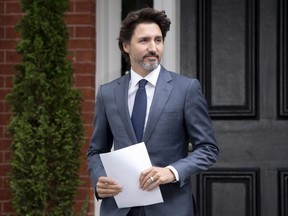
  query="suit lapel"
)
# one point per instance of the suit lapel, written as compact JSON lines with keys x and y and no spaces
{"x":162,"y":92}
{"x":121,"y":98}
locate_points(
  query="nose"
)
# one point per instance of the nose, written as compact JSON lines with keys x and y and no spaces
{"x":152,"y":47}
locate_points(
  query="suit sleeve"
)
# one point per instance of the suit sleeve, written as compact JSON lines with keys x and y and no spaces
{"x":101,"y":140}
{"x":201,"y":135}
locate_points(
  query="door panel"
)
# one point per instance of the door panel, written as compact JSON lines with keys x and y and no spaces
{"x":238,"y":51}
{"x":225,"y":41}
{"x":234,"y":186}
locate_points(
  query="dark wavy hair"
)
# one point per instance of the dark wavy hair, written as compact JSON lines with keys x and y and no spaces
{"x":144,"y":15}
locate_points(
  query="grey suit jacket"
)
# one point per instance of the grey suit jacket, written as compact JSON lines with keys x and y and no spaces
{"x":178,"y":115}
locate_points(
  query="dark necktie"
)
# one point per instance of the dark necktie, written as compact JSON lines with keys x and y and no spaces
{"x":139,"y":110}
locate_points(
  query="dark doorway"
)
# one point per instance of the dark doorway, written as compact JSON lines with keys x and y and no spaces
{"x":238,"y":50}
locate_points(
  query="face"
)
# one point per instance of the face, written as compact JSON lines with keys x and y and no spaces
{"x":145,"y":48}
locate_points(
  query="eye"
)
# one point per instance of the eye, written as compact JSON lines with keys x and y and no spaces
{"x":158,"y":40}
{"x":143,"y":40}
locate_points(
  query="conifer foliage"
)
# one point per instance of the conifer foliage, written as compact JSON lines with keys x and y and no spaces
{"x":46,"y":126}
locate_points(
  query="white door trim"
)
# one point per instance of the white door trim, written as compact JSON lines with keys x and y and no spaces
{"x":171,"y":56}
{"x":108,"y":55}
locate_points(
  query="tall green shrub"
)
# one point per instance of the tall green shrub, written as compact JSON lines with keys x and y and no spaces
{"x":46,"y":126}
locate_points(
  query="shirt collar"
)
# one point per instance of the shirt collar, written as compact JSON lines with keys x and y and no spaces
{"x":151,"y":77}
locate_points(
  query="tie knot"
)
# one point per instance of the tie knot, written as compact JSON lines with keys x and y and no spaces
{"x":142,"y":83}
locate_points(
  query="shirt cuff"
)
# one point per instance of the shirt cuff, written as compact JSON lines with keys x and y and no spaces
{"x":174,"y":172}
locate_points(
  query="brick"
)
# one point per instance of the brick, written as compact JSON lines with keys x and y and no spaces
{"x":71,"y":57}
{"x":85,"y":32}
{"x":2,"y":81}
{"x":84,"y":151}
{"x":85,"y":180}
{"x":83,"y":167}
{"x":2,"y":128}
{"x":11,"y":20}
{"x":88,"y":94}
{"x":71,"y":6}
{"x":85,"y":6}
{"x":4,"y":169}
{"x":82,"y":44}
{"x":9,"y":44}
{"x":84,"y":177}
{"x":71,"y":31}
{"x":89,"y":129}
{"x":6,"y":107}
{"x":5,"y":144}
{"x":8,"y":82}
{"x":80,"y":19}
{"x":6,"y":182}
{"x":11,"y":33}
{"x":88,"y":118}
{"x":1,"y":159}
{"x":87,"y":138}
{"x":84,"y":68}
{"x":85,"y":56}
{"x":7,"y":135}
{"x":82,"y":193}
{"x":91,"y":204}
{"x":87,"y":106}
{"x":2,"y":7}
{"x":7,"y":156}
{"x":2,"y":19}
{"x":84,"y":81}
{"x":5,"y":194}
{"x":13,"y":7}
{"x":3,"y":93}
{"x":12,"y":57}
{"x":4,"y":118}
{"x":7,"y":207}
{"x":79,"y":205}
{"x":2,"y":56}
{"x":2,"y":33}
{"x":1,"y":110}
{"x":7,"y":69}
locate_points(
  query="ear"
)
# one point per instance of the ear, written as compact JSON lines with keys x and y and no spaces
{"x":126,"y":47}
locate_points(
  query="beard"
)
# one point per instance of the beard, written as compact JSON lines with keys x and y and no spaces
{"x":148,"y":65}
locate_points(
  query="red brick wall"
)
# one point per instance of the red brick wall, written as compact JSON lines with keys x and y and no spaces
{"x":81,"y":23}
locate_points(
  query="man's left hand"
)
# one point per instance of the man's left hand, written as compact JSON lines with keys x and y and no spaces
{"x":155,"y":176}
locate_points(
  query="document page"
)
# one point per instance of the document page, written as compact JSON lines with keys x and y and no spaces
{"x":124,"y":166}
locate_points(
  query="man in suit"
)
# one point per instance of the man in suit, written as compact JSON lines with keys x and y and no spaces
{"x":176,"y":114}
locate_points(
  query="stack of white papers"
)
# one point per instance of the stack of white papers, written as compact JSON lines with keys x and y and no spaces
{"x":124,"y":166}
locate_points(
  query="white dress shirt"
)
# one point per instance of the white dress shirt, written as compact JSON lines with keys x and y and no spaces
{"x":152,"y":78}
{"x":150,"y":89}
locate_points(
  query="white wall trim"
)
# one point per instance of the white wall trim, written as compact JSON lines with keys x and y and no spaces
{"x":108,"y":55}
{"x":171,"y":56}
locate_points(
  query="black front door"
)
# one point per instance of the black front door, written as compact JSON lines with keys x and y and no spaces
{"x":238,"y":49}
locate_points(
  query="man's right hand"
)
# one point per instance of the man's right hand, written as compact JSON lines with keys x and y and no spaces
{"x":107,"y":187}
